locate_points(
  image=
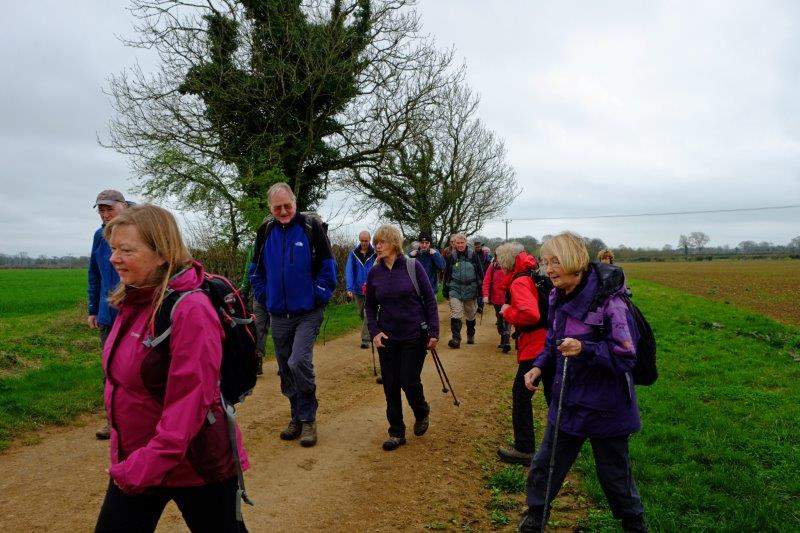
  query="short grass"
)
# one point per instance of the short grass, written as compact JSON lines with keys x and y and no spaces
{"x":36,"y":291}
{"x":719,"y":448}
{"x":50,"y":360}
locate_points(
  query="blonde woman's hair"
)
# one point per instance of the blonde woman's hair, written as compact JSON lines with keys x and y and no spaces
{"x":605,"y":253}
{"x":159,"y":231}
{"x":506,"y":254}
{"x":390,"y":235}
{"x":570,"y":250}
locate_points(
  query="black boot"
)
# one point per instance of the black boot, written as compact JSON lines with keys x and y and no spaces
{"x":470,"y":332}
{"x":531,"y":521}
{"x":455,"y":327}
{"x":505,"y":343}
{"x":634,"y":524}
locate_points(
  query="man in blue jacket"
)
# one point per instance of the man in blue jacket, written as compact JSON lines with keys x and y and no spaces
{"x":102,"y":276}
{"x":293,"y":277}
{"x":429,"y":258}
{"x":359,"y":261}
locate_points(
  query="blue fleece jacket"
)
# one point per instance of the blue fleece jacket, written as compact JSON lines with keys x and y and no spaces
{"x":432,"y":262}
{"x":355,"y":272}
{"x":102,"y":280}
{"x":294,"y":272}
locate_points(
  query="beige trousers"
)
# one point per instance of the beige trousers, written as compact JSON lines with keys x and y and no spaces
{"x":461,"y":308}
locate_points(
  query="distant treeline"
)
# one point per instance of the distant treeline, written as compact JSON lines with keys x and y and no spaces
{"x":23,"y":260}
{"x":744,"y":250}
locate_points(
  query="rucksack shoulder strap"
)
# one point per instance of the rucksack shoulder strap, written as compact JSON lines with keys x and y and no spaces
{"x":163,"y":325}
{"x":411,"y":267}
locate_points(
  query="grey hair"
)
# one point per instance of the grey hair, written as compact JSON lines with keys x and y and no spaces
{"x":278,"y":187}
{"x":507,"y":253}
{"x":458,"y":236}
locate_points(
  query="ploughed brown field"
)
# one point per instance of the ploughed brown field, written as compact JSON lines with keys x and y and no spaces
{"x":769,"y":286}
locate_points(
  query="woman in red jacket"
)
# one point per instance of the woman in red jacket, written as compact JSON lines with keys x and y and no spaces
{"x":169,"y":434}
{"x":521,"y":310}
{"x":494,"y":292}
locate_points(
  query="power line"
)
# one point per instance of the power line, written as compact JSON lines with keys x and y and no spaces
{"x":661,"y":214}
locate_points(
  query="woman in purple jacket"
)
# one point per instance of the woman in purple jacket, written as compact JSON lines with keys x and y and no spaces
{"x":403,"y":323}
{"x":589,"y":316}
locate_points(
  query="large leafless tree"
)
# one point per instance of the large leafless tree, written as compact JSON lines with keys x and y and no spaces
{"x":250,"y":92}
{"x":451,"y":176}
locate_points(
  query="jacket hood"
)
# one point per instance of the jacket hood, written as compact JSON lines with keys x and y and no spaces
{"x":370,"y":251}
{"x":189,"y":278}
{"x":601,"y":283}
{"x":524,"y":261}
{"x":610,"y":280}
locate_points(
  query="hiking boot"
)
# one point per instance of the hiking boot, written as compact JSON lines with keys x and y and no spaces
{"x":103,"y":433}
{"x":531,"y":521}
{"x":364,"y":345}
{"x":455,"y":328}
{"x":470,"y":332}
{"x":292,"y":431}
{"x":514,"y":456}
{"x":309,"y":434}
{"x":505,"y":343}
{"x":421,"y":425}
{"x":634,"y":524}
{"x":392,"y":443}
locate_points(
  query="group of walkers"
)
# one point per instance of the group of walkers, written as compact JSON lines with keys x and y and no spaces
{"x":173,"y":435}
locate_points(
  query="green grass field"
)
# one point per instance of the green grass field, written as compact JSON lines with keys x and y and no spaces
{"x":37,"y":291}
{"x":50,"y":360}
{"x":719,"y":448}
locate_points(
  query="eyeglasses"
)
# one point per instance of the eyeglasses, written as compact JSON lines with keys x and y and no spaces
{"x":280,"y":208}
{"x":554,"y":262}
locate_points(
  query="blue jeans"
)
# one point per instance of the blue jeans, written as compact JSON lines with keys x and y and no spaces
{"x":294,"y":350}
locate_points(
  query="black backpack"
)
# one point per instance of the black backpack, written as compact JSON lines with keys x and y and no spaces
{"x":239,"y":359}
{"x":611,"y":279}
{"x":543,"y":288}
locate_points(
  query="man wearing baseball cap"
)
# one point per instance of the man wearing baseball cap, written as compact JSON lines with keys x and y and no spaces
{"x":102,"y":276}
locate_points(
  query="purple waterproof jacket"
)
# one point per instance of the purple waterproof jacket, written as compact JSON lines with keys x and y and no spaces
{"x":599,"y":399}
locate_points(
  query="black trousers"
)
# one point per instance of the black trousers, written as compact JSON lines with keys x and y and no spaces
{"x":612,"y":462}
{"x":401,"y":367}
{"x":522,"y":408}
{"x":503,"y":327}
{"x":210,"y":508}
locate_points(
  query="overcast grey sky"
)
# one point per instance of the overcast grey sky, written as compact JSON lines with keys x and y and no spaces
{"x":606,"y":107}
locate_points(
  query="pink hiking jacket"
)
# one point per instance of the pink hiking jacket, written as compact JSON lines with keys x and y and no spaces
{"x":168,"y":428}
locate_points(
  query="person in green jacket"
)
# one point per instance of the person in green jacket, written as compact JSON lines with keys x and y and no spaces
{"x":463,"y":275}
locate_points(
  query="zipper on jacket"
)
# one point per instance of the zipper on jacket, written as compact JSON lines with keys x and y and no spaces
{"x":283,"y":273}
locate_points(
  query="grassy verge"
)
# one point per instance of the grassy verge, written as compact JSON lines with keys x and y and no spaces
{"x":50,"y":367}
{"x":719,"y":447}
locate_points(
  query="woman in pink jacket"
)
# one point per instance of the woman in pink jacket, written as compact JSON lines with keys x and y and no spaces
{"x":169,"y":433}
{"x":494,"y":292}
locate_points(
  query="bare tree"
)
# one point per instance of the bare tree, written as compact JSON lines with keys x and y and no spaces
{"x":698,"y":239}
{"x":250,"y":92}
{"x":685,"y":243}
{"x":451,"y":176}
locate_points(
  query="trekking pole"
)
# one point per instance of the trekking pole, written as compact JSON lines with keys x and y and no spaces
{"x":444,"y":388}
{"x":547,"y":500}
{"x":374,"y":370}
{"x":437,"y":360}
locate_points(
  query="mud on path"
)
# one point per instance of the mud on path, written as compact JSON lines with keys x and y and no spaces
{"x":345,"y":483}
